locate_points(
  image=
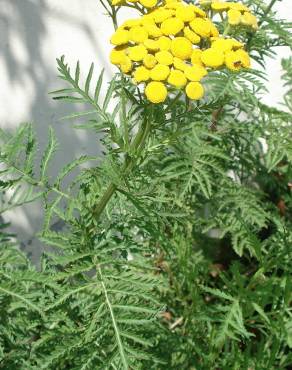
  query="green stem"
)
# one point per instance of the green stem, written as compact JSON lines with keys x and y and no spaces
{"x":135,"y":151}
{"x":267,"y":11}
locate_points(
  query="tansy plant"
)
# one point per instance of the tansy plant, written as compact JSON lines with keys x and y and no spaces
{"x":172,"y":249}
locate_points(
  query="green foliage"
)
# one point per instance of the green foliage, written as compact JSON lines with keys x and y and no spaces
{"x":175,"y":250}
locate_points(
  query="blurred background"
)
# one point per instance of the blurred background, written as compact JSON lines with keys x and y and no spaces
{"x":33,"y":33}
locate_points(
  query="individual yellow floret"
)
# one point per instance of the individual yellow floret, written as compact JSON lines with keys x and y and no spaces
{"x":194,"y":90}
{"x":195,"y":72}
{"x":249,"y":19}
{"x":149,"y":61}
{"x":120,"y":37}
{"x":148,"y":3}
{"x":185,"y":13}
{"x":164,"y":57}
{"x":156,"y":92}
{"x":179,"y":64}
{"x":236,"y":60}
{"x":192,"y":36}
{"x":212,"y":57}
{"x":234,"y":17}
{"x":201,"y":26}
{"x":141,"y":74}
{"x":117,"y":56}
{"x":196,"y":56}
{"x":159,"y":73}
{"x":138,"y":34}
{"x":126,"y":66}
{"x":164,"y":43}
{"x":151,"y":45}
{"x":137,"y":53}
{"x":177,"y":78}
{"x":172,"y":26}
{"x":181,"y":48}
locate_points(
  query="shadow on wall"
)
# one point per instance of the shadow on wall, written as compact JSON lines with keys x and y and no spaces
{"x":26,"y":21}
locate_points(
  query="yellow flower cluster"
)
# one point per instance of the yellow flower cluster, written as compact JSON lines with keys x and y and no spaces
{"x":237,"y":13}
{"x":163,"y":49}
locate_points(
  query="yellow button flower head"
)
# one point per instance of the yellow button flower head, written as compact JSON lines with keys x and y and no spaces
{"x":117,"y":56}
{"x":222,"y":44}
{"x":173,"y":4}
{"x":156,"y":92}
{"x":201,"y":26}
{"x":153,"y":30}
{"x":195,"y":72}
{"x":131,"y":23}
{"x":164,"y":57}
{"x":141,"y":74}
{"x":126,"y":65}
{"x":181,"y":48}
{"x":149,"y":61}
{"x":160,"y":14}
{"x":138,"y":34}
{"x":212,"y":58}
{"x":234,"y":17}
{"x":238,"y":6}
{"x":236,"y":60}
{"x":151,"y":45}
{"x":137,"y":53}
{"x":185,"y":14}
{"x":159,"y":73}
{"x":199,"y":12}
{"x":172,"y":26}
{"x":194,"y":90}
{"x":177,"y":78}
{"x":120,"y":37}
{"x":196,"y":57}
{"x":219,"y":7}
{"x":249,"y":19}
{"x":164,"y":43}
{"x":244,"y":58}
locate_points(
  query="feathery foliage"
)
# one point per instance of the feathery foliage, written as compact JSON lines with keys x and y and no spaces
{"x":175,"y":246}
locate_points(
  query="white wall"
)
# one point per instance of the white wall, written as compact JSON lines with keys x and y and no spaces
{"x":33,"y":33}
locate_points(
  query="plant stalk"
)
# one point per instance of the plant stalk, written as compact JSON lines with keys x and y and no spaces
{"x":267,"y":11}
{"x":136,"y":148}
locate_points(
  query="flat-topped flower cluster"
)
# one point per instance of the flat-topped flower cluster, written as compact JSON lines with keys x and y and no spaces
{"x":174,"y":46}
